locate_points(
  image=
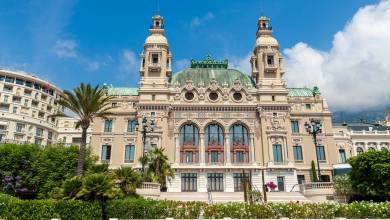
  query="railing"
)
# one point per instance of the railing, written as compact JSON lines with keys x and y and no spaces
{"x":317,"y":188}
{"x":149,"y":189}
{"x":371,"y":132}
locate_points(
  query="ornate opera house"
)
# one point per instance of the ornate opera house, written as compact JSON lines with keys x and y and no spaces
{"x":215,"y":122}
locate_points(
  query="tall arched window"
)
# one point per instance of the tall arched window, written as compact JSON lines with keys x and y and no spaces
{"x":189,"y":142}
{"x":359,"y":150}
{"x":239,"y":143}
{"x":214,"y":143}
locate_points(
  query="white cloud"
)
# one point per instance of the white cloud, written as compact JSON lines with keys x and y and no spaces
{"x":129,"y":61}
{"x":354,"y":74}
{"x":128,"y":65}
{"x":182,"y":64}
{"x":65,"y":49}
{"x":197,"y":21}
{"x":242,"y":63}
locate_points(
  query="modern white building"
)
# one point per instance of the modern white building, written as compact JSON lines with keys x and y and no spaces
{"x":356,"y":138}
{"x":26,"y":102}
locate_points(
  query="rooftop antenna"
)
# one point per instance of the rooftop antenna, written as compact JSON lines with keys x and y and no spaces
{"x":261,"y":8}
{"x":158,"y":7}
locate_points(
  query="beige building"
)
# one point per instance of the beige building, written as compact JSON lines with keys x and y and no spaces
{"x":216,"y":122}
{"x":68,"y":134}
{"x":26,"y":102}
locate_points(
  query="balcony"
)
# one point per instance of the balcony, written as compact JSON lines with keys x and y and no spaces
{"x":189,"y":154}
{"x":240,"y":154}
{"x":154,"y":67}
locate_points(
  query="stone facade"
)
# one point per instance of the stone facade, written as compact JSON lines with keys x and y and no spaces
{"x":216,"y":123}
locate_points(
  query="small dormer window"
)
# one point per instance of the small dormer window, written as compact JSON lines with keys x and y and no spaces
{"x":270,"y":60}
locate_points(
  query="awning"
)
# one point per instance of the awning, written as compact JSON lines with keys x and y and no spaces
{"x":340,"y":169}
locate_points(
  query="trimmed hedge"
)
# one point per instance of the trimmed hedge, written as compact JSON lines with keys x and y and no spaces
{"x":12,"y":208}
{"x":153,"y":209}
{"x":47,"y":209}
{"x":299,"y":210}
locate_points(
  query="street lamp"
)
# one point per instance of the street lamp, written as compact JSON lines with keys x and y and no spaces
{"x":314,"y":128}
{"x":148,"y":126}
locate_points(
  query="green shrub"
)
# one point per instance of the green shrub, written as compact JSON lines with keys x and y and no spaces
{"x":153,"y":209}
{"x":299,"y":210}
{"x":47,"y":209}
{"x":370,"y":174}
{"x":36,"y":170}
{"x":131,"y":208}
{"x":16,"y":161}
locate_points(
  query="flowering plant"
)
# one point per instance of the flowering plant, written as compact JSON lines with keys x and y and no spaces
{"x":271,"y":185}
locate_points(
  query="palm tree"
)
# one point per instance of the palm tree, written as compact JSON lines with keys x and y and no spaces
{"x":99,"y":187}
{"x":87,"y":103}
{"x":129,"y":180}
{"x":159,"y":168}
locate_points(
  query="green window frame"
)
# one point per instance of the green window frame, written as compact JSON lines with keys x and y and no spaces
{"x":108,"y":125}
{"x":278,"y":153}
{"x":321,"y":153}
{"x":129,"y":153}
{"x":294,"y":126}
{"x":131,"y":125}
{"x":298,"y":156}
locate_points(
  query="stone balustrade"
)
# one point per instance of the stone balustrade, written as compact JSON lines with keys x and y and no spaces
{"x":148,"y":189}
{"x":317,"y":188}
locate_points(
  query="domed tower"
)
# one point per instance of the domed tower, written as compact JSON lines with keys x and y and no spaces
{"x":156,"y":59}
{"x":266,"y":60}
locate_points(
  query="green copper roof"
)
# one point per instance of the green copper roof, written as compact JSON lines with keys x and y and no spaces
{"x":203,"y":72}
{"x":122,"y":91}
{"x":303,"y":92}
{"x":203,"y":77}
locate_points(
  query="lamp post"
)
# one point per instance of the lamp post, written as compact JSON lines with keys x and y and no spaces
{"x":314,"y":128}
{"x":148,"y":126}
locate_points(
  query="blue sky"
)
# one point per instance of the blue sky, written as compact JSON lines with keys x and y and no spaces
{"x":69,"y":41}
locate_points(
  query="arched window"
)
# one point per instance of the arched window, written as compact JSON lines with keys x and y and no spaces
{"x":371,"y":148}
{"x":239,"y":144}
{"x":189,"y":142}
{"x":214,"y":135}
{"x":215,"y":144}
{"x":359,"y":150}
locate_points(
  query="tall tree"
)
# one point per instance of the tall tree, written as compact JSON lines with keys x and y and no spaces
{"x":87,"y":103}
{"x":314,"y":176}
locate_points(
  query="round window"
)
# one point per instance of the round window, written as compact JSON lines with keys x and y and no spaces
{"x":237,"y":96}
{"x":189,"y":95}
{"x":213,"y":96}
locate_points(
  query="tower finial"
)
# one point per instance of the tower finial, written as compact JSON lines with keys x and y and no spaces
{"x":158,"y":7}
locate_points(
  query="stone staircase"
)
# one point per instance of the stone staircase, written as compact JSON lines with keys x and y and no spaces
{"x":221,"y":197}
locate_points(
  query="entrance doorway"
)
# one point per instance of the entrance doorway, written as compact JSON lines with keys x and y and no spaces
{"x":280,"y":180}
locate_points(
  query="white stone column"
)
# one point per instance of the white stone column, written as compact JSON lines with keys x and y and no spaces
{"x":227,"y":149}
{"x":252,"y":149}
{"x":202,"y":181}
{"x":229,"y":182}
{"x":177,"y":149}
{"x":202,"y":150}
